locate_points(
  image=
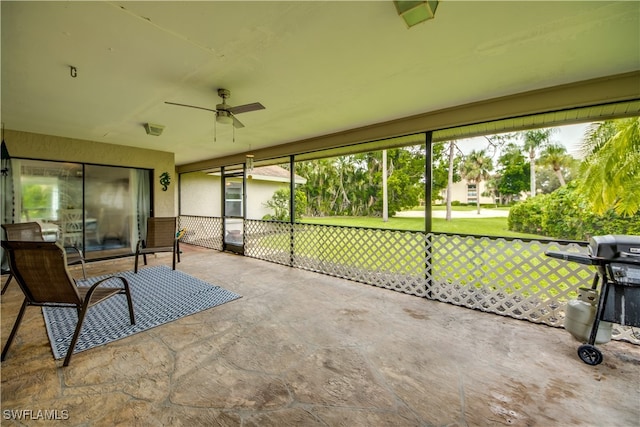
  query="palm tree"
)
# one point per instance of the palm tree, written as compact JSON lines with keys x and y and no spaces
{"x":596,"y":135}
{"x":476,"y":168}
{"x":555,"y":156}
{"x":612,"y":170}
{"x":534,"y":140}
{"x":452,"y":147}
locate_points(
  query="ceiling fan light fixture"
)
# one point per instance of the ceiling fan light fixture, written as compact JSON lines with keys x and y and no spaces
{"x":224,"y":117}
{"x":416,"y":12}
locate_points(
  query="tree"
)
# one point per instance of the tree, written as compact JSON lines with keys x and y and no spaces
{"x":611,"y":171}
{"x":440,"y":168}
{"x":596,"y":135}
{"x":279,"y":202}
{"x":321,"y":187}
{"x":496,"y":142}
{"x":533,"y":141}
{"x":405,"y":180}
{"x":547,"y":181}
{"x":513,"y":173}
{"x":566,"y":214}
{"x":476,"y":168}
{"x":452,"y":147}
{"x":445,"y":171}
{"x":36,"y":199}
{"x":556,"y":157}
{"x":352,"y":184}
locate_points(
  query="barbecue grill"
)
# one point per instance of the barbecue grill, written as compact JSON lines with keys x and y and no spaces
{"x":617,"y":258}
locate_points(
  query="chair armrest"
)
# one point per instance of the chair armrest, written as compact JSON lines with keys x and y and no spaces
{"x":92,"y":289}
{"x":76,"y":249}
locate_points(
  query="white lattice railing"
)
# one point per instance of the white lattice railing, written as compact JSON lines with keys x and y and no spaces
{"x":201,"y":231}
{"x":509,"y":277}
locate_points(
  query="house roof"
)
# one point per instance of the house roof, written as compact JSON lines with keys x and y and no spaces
{"x":318,"y":67}
{"x":275,"y":173}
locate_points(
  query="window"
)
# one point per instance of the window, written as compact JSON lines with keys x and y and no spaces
{"x":233,"y":199}
{"x":472,"y":193}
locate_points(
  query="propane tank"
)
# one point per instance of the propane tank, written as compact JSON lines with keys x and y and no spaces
{"x":580,"y":315}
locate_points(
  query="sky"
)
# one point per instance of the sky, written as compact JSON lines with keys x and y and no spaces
{"x":570,"y":136}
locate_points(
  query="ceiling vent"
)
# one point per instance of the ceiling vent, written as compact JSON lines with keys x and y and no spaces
{"x":152,"y":129}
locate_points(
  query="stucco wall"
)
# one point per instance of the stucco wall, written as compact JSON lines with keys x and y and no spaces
{"x":459,"y":193}
{"x":258,"y":193}
{"x":47,"y":147}
{"x":200,"y":195}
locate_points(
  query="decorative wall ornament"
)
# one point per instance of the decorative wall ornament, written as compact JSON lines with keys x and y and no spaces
{"x":165,"y":180}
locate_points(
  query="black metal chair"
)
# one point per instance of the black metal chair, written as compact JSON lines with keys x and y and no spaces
{"x":40,"y":268}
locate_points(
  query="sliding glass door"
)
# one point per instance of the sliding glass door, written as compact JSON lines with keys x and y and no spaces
{"x":96,"y":208}
{"x":113,"y":208}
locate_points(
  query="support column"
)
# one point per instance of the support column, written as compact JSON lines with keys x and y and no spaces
{"x":428,"y":223}
{"x":292,"y":205}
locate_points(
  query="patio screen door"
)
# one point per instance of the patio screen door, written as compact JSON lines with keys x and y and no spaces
{"x":234,"y":209}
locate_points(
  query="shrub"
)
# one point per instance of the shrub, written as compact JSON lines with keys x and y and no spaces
{"x":526,"y":216}
{"x":566,"y":214}
{"x":279,"y":202}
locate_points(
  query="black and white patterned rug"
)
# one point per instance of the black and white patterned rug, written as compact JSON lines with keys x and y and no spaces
{"x":159,"y":294}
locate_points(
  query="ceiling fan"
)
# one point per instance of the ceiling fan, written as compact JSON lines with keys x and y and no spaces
{"x":225,"y":113}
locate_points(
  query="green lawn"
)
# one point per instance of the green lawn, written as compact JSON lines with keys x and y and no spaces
{"x":480,"y":226}
{"x":504,"y":268}
{"x":463,"y":208}
{"x":500,"y":266}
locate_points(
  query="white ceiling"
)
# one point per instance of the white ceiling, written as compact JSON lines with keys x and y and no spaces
{"x":317,"y":67}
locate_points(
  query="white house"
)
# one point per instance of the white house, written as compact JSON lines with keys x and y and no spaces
{"x":201,"y":192}
{"x":466,"y":192}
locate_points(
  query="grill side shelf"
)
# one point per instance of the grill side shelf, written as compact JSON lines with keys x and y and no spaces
{"x":579,"y":258}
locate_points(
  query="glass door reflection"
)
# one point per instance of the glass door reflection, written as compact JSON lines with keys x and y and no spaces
{"x":109,"y":210}
{"x":92,"y":207}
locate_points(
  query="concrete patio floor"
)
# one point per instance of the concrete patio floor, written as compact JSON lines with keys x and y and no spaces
{"x":304,"y":349}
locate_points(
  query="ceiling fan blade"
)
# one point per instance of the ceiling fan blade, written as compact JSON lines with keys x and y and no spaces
{"x":191,"y":106}
{"x":237,"y":123}
{"x":246,"y":108}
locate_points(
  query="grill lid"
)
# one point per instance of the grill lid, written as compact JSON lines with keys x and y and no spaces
{"x":615,"y":246}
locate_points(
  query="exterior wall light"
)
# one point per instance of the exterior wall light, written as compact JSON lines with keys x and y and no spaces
{"x":249,"y":162}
